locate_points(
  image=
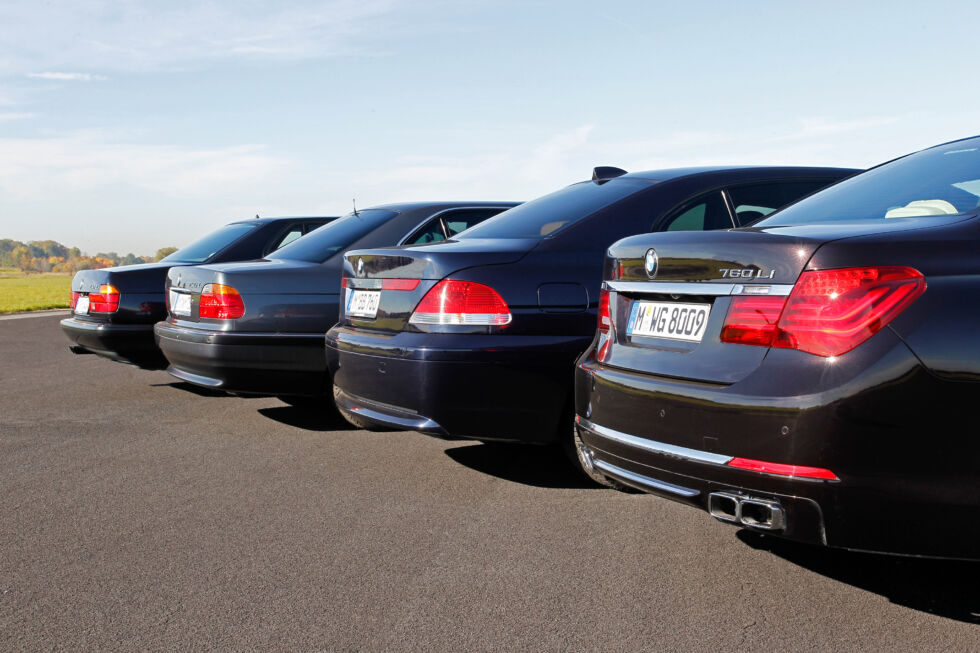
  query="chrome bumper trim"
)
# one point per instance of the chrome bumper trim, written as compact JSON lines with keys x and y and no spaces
{"x":390,"y":417}
{"x":698,"y":288}
{"x":662,"y":448}
{"x":642,"y":482}
{"x":196,"y":379}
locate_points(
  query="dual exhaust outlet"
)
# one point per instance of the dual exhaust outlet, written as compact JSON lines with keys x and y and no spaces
{"x":761,"y":514}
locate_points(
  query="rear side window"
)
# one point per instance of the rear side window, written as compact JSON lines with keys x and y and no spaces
{"x":755,"y":201}
{"x":448,"y":224}
{"x":546,"y":216}
{"x":294,"y":233}
{"x":702,"y":213}
{"x":943,"y":180}
{"x":204,"y":248}
{"x":334,"y":236}
{"x":459,"y":221}
{"x":431,"y":232}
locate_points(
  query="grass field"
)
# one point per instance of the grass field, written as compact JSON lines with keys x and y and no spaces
{"x":32,"y":292}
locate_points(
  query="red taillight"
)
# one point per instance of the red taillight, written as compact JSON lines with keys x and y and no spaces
{"x":221,"y":302}
{"x":829,"y":312}
{"x":752,"y":319}
{"x":605,"y":325}
{"x":343,"y":282}
{"x":74,"y":298}
{"x":401,"y":284}
{"x":782,"y":469}
{"x":462,"y":303}
{"x":104,"y":301}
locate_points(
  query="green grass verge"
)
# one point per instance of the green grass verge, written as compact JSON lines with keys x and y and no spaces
{"x":33,"y":292}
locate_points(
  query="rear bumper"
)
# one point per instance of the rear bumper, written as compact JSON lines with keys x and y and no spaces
{"x":248,"y":363}
{"x":692,"y":476}
{"x":907,"y":474}
{"x":126,"y":343}
{"x":487,"y":387}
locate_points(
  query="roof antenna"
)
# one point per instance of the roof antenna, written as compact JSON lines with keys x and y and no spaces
{"x":354,"y":202}
{"x":256,"y":216}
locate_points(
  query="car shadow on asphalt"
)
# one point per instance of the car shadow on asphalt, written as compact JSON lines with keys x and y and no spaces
{"x":309,"y":418}
{"x":948,"y":588}
{"x":532,"y":465}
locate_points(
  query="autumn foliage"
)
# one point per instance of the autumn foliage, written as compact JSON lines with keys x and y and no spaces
{"x":51,"y":256}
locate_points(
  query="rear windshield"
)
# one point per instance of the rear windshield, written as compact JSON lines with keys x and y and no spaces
{"x":943,"y":180}
{"x":324,"y":242}
{"x":204,"y":248}
{"x":546,"y":216}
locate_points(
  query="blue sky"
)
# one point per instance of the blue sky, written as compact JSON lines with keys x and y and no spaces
{"x":130,"y":126}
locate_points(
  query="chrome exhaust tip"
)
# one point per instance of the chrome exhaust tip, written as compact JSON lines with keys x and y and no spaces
{"x":724,"y":506}
{"x":761,"y":514}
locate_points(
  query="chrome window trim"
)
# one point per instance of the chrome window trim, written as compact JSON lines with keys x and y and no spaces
{"x":437,"y":214}
{"x":662,"y":448}
{"x":699,"y":288}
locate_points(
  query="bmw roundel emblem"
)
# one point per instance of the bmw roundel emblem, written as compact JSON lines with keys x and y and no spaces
{"x":650,"y":262}
{"x":360,"y":267}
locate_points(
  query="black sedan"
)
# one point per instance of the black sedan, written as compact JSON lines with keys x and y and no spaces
{"x":812,"y":376}
{"x":114,"y":309}
{"x":257,"y":327}
{"x":477,"y":337}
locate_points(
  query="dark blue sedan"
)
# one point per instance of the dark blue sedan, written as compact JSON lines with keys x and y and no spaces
{"x":477,"y":337}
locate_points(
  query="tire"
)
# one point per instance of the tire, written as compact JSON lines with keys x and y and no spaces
{"x":576,"y":451}
{"x":582,"y":460}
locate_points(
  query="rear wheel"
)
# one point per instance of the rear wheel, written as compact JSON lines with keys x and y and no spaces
{"x":578,"y":454}
{"x":583,"y":460}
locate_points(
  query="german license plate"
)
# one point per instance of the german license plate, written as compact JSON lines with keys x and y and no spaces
{"x":81,"y":306}
{"x":668,"y":320}
{"x":363,"y":303}
{"x":180,"y":303}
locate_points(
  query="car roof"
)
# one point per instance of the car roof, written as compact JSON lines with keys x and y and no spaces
{"x":284,"y":218}
{"x":667,"y":174}
{"x":412,"y":206}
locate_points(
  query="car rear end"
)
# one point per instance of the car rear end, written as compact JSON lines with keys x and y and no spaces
{"x":763,"y":375}
{"x":438,"y":339}
{"x":251,"y":328}
{"x":113,"y":312}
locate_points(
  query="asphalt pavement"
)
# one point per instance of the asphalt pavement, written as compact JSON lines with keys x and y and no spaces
{"x":137,"y":512}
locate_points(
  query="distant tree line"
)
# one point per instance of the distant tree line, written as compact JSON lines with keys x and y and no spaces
{"x":52,"y":256}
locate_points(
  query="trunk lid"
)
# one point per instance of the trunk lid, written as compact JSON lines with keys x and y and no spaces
{"x":365,"y":271}
{"x":140,"y":287}
{"x":265,"y":287}
{"x":699,"y":274}
{"x":141,"y":278}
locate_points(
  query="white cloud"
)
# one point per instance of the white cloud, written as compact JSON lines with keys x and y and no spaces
{"x":529,"y":168}
{"x":34,"y":169}
{"x":9,"y":115}
{"x":67,"y":77}
{"x":146,"y":35}
{"x":93,"y":191}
